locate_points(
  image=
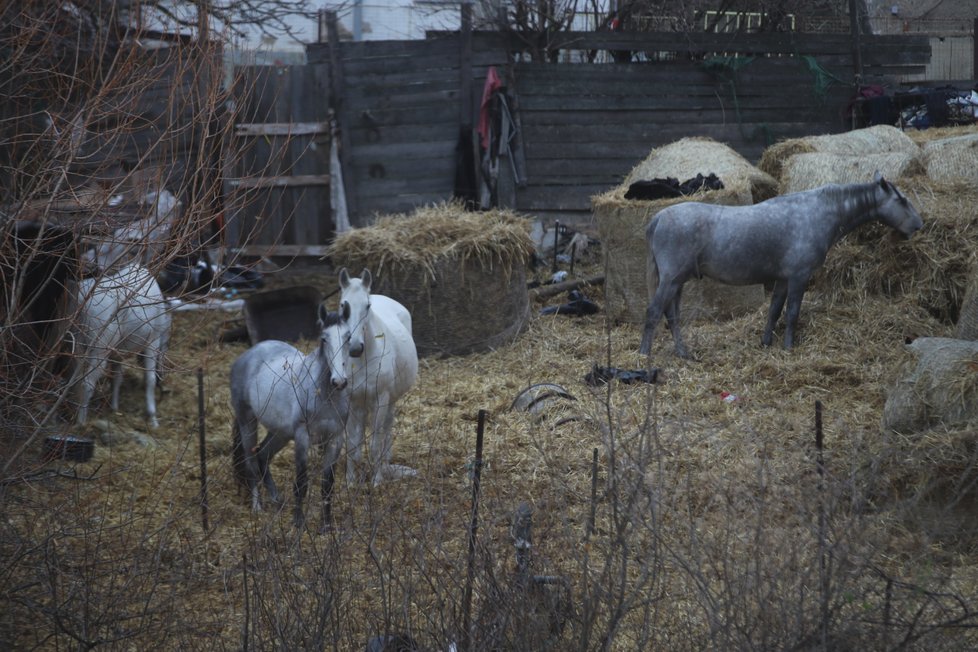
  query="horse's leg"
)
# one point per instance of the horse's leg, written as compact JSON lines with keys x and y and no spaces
{"x":382,"y":446}
{"x":796,"y":290}
{"x":664,"y":294}
{"x":272,"y":444}
{"x":301,"y":487}
{"x":248,"y":431}
{"x":116,"y":373}
{"x":92,"y":369}
{"x":355,"y":426}
{"x":331,"y":452}
{"x":778,"y":295}
{"x":149,"y":364}
{"x":672,"y":321}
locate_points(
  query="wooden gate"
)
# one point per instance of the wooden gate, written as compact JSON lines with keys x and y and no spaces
{"x":277,"y":189}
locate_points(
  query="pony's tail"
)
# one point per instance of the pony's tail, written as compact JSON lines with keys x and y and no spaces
{"x":238,"y":456}
{"x":651,"y":269}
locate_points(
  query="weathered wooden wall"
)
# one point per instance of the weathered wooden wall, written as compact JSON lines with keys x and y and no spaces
{"x":402,"y":106}
{"x":405,"y":106}
{"x":585,"y":126}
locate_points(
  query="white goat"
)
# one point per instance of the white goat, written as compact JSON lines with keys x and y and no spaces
{"x":121,"y":313}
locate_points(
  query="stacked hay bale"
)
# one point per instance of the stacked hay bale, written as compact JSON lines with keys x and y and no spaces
{"x":811,"y":170}
{"x":952,"y":158}
{"x":852,"y":157}
{"x":622,"y":222}
{"x":462,"y":275}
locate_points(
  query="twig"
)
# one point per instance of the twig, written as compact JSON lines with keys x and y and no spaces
{"x":49,"y":473}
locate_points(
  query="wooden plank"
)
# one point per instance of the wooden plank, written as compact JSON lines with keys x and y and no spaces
{"x":400,"y":134}
{"x":372,"y":117}
{"x":280,"y":182}
{"x":701,"y":42}
{"x":424,"y":149}
{"x":575,"y":197}
{"x":292,"y":250}
{"x":281,"y":128}
{"x":378,"y":100}
{"x":426,"y":64}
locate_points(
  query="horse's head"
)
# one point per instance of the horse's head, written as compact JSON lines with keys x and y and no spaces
{"x":355,"y":307}
{"x":895,"y":210}
{"x":333,"y":336}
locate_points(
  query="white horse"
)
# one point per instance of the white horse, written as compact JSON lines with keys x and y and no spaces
{"x":122,"y":313}
{"x":383,"y":367}
{"x":297,"y":398}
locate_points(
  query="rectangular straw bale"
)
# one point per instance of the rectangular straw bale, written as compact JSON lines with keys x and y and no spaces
{"x":877,"y":139}
{"x":954,"y":158}
{"x":814,"y":169}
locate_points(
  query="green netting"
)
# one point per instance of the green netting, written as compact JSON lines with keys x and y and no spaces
{"x":823,"y":78}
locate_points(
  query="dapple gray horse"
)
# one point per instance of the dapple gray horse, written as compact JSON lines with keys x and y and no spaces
{"x":296,"y":397}
{"x":120,"y":314}
{"x":780,"y":242}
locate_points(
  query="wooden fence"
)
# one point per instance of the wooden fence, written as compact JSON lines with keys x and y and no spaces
{"x":407,"y":109}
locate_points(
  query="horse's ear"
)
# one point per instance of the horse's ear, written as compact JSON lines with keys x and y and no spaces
{"x":366,"y":278}
{"x":344,"y":278}
{"x":323,"y":314}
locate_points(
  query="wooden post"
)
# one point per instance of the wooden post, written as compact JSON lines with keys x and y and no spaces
{"x":336,"y":101}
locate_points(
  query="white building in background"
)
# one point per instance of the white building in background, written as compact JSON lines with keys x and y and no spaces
{"x":395,"y":20}
{"x":360,"y":20}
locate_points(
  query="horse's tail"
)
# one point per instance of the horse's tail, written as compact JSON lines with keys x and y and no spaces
{"x":651,"y":269}
{"x":238,"y":466}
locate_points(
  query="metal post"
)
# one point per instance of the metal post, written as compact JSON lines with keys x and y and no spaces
{"x":473,"y":529}
{"x":203,"y":449}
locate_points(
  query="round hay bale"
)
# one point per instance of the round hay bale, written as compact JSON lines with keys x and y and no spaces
{"x":686,"y":158}
{"x":950,"y":159}
{"x":938,"y":388}
{"x":622,"y":222}
{"x":814,"y":169}
{"x":461,"y":275}
{"x":859,"y":142}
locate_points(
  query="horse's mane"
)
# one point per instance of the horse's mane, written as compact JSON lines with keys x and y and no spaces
{"x":331,"y":318}
{"x":863,"y":194}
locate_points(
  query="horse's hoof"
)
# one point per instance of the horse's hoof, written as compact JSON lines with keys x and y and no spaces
{"x":393,"y":472}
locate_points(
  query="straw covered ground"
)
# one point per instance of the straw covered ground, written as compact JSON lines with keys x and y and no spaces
{"x":707,"y":524}
{"x":714,"y":520}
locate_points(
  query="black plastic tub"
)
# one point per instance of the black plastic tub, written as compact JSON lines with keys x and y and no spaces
{"x":69,"y":448}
